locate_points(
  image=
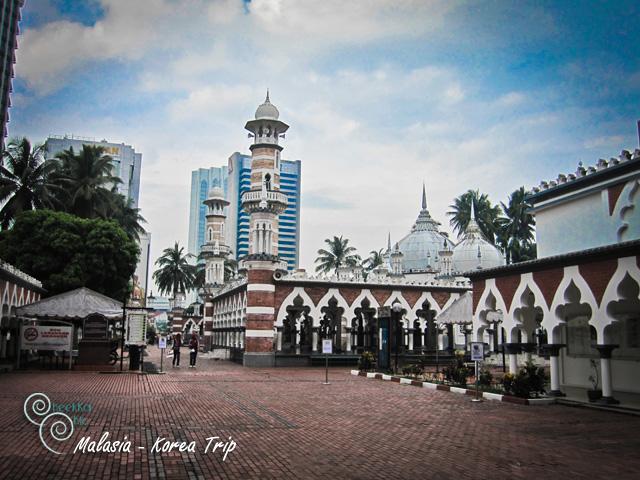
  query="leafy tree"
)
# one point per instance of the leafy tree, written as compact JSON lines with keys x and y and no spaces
{"x":515,"y":234}
{"x":66,"y":252}
{"x":338,"y":254}
{"x":176,"y":274}
{"x":25,"y":181}
{"x":87,"y":178}
{"x":121,"y":210}
{"x":486,"y":214}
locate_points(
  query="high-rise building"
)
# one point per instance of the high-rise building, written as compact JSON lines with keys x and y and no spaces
{"x":9,"y":18}
{"x":142,"y":270}
{"x":235,"y":180}
{"x":126,"y":162}
{"x":202,"y":180}
{"x":240,"y":182}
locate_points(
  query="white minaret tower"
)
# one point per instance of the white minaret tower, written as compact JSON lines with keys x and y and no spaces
{"x":264,"y":202}
{"x":214,"y":251}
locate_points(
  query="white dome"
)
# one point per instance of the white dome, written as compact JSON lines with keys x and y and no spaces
{"x":474,"y":252}
{"x":267,"y":110}
{"x":216,"y":192}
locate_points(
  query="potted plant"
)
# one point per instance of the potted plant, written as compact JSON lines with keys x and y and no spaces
{"x":594,"y":393}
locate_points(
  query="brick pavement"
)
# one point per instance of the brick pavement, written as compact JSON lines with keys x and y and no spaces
{"x":288,"y":425}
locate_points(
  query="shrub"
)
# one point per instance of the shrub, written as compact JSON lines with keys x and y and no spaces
{"x":458,"y":372}
{"x":485,"y":378}
{"x":528,"y":382}
{"x":367,"y":361}
{"x":415,"y":370}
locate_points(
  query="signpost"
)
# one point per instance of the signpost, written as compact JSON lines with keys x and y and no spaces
{"x":162,"y":344}
{"x":327,"y":348}
{"x":477,"y":355}
{"x":40,"y":337}
{"x":136,"y":333}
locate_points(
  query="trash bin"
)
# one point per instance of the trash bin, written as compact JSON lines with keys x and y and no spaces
{"x":134,"y":357}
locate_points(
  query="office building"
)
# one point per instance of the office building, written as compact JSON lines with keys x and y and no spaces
{"x":235,"y":179}
{"x":10,"y":16}
{"x":127,"y":163}
{"x":202,"y":180}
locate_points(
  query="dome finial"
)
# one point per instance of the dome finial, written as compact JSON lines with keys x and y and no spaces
{"x":424,"y":196}
{"x":472,"y":216}
{"x":389,"y":242}
{"x":267,"y":99}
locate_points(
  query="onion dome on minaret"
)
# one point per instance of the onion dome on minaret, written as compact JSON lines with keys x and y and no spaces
{"x":474,"y":252}
{"x":420,"y":248}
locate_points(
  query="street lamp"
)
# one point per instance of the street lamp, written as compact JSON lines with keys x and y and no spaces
{"x":396,"y":308}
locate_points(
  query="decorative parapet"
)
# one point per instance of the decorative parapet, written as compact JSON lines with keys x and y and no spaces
{"x":231,"y":285}
{"x":581,"y":171}
{"x":399,"y":281}
{"x":10,"y":269}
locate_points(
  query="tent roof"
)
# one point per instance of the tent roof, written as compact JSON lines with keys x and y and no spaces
{"x":75,"y":304}
{"x":460,"y":311}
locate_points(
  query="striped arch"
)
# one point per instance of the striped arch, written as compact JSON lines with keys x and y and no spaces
{"x":282,"y":311}
{"x":350,"y":312}
{"x":571,"y":274}
{"x":397,"y":295}
{"x":324,"y":301}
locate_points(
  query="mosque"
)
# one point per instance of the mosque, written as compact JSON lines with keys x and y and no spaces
{"x":577,"y":306}
{"x":427,"y":253}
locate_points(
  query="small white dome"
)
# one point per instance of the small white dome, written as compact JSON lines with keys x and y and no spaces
{"x":267,"y":110}
{"x":474,"y":252}
{"x":216,"y":192}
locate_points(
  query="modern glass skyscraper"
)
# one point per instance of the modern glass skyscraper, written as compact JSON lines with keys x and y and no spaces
{"x":9,"y":18}
{"x":126,"y":162}
{"x":237,"y":181}
{"x":202,"y":180}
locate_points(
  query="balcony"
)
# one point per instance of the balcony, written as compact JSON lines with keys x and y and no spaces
{"x":276,"y":201}
{"x":210,"y":249}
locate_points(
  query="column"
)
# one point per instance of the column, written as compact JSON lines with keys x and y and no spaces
{"x":348,"y":339}
{"x":605,"y":372}
{"x":279,"y":339}
{"x":314,"y":341}
{"x":3,"y":345}
{"x":528,"y":349}
{"x":410,"y":333}
{"x":553,"y":350}
{"x":451,"y":339}
{"x":512,"y":349}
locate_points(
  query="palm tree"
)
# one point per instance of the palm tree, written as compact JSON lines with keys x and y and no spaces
{"x":375,"y":259}
{"x":176,"y":274}
{"x":121,"y":210}
{"x":339,"y":253}
{"x":87,"y":178}
{"x":486,"y":214}
{"x":515,"y":235}
{"x":25,"y":181}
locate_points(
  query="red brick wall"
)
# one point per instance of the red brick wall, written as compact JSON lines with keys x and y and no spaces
{"x":260,"y":276}
{"x":350,"y":294}
{"x":441,"y":297}
{"x":282,"y":292}
{"x":598,"y":275}
{"x":507,"y":287}
{"x":613,"y":194}
{"x":478,"y":290}
{"x":258,"y":345}
{"x":381,"y":295}
{"x":260,"y":299}
{"x":548,"y":281}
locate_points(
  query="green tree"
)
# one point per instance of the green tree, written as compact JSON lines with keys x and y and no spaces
{"x":375,"y":259}
{"x":128,"y":217}
{"x":66,"y":252}
{"x":516,"y":232}
{"x":486,"y":214}
{"x":176,"y":274}
{"x":87,"y":178}
{"x":338,"y":253}
{"x":25,"y":180}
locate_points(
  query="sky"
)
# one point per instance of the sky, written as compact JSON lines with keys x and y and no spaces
{"x":380,"y":96}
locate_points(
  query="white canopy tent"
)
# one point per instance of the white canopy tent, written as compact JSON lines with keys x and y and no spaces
{"x":73,"y":305}
{"x":461,"y":311}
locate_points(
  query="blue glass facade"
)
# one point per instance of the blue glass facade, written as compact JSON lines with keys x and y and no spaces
{"x":202,"y":180}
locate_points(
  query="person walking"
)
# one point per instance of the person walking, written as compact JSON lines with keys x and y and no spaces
{"x":193,"y":350}
{"x":177,"y":343}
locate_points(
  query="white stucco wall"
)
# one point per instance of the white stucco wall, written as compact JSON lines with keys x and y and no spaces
{"x":582,"y":220}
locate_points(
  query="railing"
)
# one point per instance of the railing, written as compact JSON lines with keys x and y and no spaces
{"x":271,"y":196}
{"x":221,"y":249}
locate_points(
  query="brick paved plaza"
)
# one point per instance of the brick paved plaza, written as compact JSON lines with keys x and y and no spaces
{"x":287,"y":424}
